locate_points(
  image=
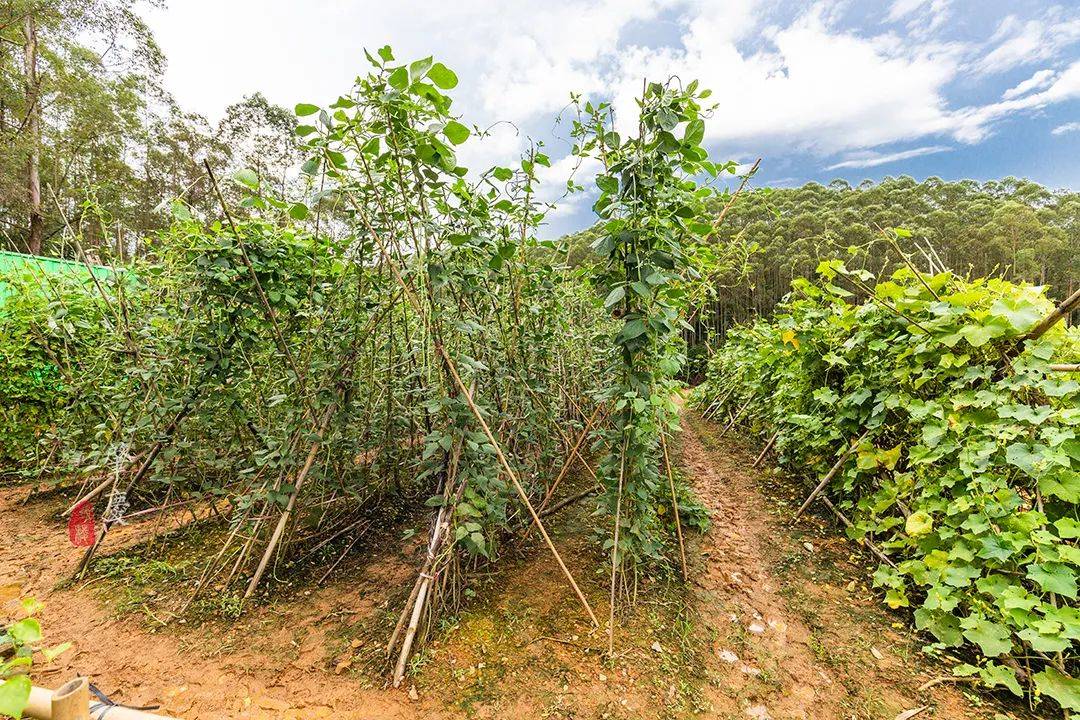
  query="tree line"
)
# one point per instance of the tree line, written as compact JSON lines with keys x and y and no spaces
{"x":1012,"y":228}
{"x":90,"y":140}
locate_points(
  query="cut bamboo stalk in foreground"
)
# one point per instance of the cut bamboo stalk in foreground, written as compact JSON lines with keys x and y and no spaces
{"x":41,"y":705}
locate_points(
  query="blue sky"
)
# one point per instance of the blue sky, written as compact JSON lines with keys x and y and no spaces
{"x":849,"y":89}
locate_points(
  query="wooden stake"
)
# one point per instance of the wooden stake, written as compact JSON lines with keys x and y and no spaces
{"x":766,"y":449}
{"x":831,"y":474}
{"x":615,"y":549}
{"x":284,"y":519}
{"x":1065,"y":368}
{"x":675,"y":506}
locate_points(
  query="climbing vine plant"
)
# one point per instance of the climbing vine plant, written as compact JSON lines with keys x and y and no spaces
{"x":956,"y":459}
{"x":655,"y":191}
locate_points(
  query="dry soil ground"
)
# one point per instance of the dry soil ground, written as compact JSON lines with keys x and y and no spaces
{"x":777,"y":623}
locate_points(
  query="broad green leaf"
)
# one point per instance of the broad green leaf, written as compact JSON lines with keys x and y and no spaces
{"x":26,"y":631}
{"x":1054,"y":577}
{"x":305,"y":109}
{"x":247,"y":178}
{"x":399,"y":79}
{"x":919,"y":523}
{"x":695,"y":132}
{"x":456,"y":132}
{"x":14,"y":693}
{"x":992,"y":638}
{"x":443,"y":77}
{"x":1054,"y":684}
{"x":994,"y":675}
{"x":419,"y":69}
{"x":615,"y":296}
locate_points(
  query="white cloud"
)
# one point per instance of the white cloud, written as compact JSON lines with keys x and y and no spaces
{"x":1018,"y":43}
{"x":929,"y":15}
{"x":787,"y":77}
{"x":902,"y":8}
{"x":873,"y":159}
{"x":1066,"y":128}
{"x":1038,"y":81}
{"x":811,"y":88}
{"x":974,"y":124}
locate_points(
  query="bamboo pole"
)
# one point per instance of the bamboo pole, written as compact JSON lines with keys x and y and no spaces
{"x":410,"y":634}
{"x":828,"y":477}
{"x":1065,"y":367}
{"x":452,"y":371}
{"x":765,"y":450}
{"x":1067,"y":305}
{"x":615,"y":549}
{"x":39,"y":707}
{"x":675,"y":507}
{"x":736,"y":416}
{"x":71,"y":701}
{"x":568,"y":463}
{"x":284,"y":519}
{"x":866,"y":542}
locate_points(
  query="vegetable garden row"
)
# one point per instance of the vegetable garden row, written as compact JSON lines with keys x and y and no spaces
{"x":941,"y":413}
{"x":314,"y":372}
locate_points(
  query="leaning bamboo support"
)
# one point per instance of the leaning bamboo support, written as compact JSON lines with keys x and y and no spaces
{"x":674,"y":506}
{"x":513,"y":477}
{"x":1067,"y":306}
{"x":765,"y":450}
{"x":438,"y":534}
{"x":866,"y":542}
{"x":735,"y":418}
{"x":829,"y":476}
{"x":574,"y":453}
{"x":717,"y":405}
{"x":290,"y":505}
{"x":40,"y":707}
{"x":451,"y":370}
{"x":1065,"y":367}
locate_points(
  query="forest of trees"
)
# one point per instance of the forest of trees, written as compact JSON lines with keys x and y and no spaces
{"x":93,"y":143}
{"x":90,"y":139}
{"x":1014,"y":228}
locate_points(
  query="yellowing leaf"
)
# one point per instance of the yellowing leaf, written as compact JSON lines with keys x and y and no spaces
{"x":919,"y":523}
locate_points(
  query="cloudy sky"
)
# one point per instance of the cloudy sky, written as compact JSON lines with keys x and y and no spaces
{"x":831,"y":89}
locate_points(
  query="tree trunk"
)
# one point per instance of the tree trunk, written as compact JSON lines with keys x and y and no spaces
{"x":33,"y":124}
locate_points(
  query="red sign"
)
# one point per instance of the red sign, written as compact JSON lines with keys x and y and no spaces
{"x":81,"y":525}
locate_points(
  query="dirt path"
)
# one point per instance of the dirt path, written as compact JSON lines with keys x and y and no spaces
{"x":798,"y":637}
{"x":772,"y":626}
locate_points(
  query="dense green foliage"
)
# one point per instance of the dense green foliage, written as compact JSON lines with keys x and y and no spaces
{"x":1015,"y":229}
{"x":654,"y":222}
{"x":400,"y":346}
{"x":968,"y":474}
{"x":92,"y":140}
{"x":49,"y":325}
